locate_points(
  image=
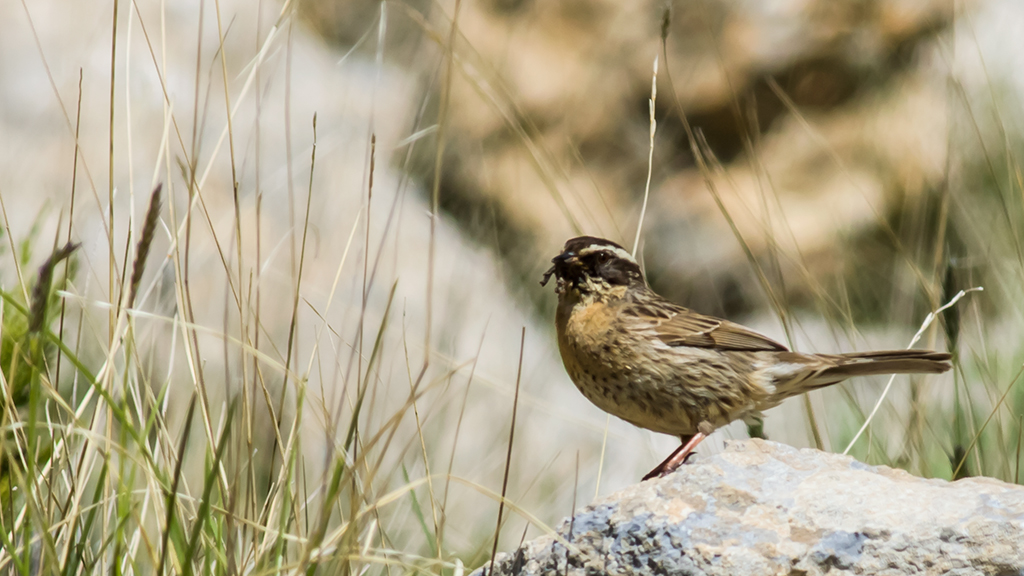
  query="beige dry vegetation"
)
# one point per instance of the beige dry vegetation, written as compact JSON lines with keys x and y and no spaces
{"x":318,"y":370}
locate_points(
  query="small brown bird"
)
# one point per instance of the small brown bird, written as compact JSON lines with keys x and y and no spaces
{"x":668,"y":369}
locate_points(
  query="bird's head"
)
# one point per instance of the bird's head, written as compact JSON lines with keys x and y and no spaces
{"x":590,"y":265}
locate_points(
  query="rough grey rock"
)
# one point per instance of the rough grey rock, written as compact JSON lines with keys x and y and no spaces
{"x":766,"y":508}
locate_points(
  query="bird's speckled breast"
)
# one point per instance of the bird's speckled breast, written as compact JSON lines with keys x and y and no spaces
{"x":601,"y":360}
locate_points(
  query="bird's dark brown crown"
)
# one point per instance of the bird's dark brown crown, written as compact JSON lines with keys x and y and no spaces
{"x":595,"y":258}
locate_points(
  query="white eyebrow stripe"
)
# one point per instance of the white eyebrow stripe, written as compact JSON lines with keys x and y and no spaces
{"x":606,"y":248}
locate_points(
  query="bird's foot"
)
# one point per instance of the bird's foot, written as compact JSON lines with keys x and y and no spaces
{"x":676,"y":458}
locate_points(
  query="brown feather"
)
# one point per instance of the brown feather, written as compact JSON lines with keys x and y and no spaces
{"x":889,"y":362}
{"x":685,"y":327}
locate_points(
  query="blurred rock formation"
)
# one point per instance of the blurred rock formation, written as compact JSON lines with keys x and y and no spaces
{"x":822,"y":123}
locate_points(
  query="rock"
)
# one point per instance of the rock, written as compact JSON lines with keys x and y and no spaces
{"x":766,"y":508}
{"x":550,"y":137}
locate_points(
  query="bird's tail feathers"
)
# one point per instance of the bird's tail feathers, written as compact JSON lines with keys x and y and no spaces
{"x":821,"y":370}
{"x":889,"y":362}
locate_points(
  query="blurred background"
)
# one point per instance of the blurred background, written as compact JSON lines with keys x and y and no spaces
{"x":360,"y":197}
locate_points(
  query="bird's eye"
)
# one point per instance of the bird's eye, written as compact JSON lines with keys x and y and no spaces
{"x":603,"y":257}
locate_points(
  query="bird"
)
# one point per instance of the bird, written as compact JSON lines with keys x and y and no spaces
{"x":669,"y":369}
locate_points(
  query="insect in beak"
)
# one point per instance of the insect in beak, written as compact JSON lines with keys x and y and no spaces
{"x":561,"y":259}
{"x":547,"y":276}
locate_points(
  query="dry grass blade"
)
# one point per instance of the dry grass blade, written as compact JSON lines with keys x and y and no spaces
{"x":924,"y":326}
{"x":650,"y":155}
{"x":1016,"y":467}
{"x":508,"y":454}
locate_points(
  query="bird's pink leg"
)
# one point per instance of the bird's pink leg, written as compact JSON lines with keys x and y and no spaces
{"x":676,"y":458}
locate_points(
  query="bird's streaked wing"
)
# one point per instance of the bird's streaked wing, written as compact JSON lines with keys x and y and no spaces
{"x":677,"y":326}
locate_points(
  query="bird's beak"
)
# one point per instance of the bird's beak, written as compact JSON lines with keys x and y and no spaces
{"x":559,"y":262}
